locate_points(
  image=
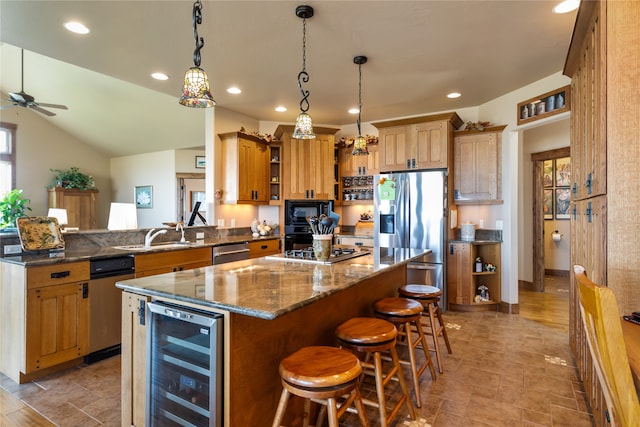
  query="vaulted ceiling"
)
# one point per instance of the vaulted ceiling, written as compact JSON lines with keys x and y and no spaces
{"x":418,"y":52}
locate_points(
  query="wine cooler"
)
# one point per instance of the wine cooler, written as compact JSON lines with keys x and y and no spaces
{"x":184,"y":366}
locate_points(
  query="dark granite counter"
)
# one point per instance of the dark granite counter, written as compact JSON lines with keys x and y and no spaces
{"x":97,"y":250}
{"x":266,"y":288}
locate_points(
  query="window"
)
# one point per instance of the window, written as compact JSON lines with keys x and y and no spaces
{"x":7,"y":157}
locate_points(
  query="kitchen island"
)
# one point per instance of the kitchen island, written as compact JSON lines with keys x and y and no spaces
{"x":270,"y":309}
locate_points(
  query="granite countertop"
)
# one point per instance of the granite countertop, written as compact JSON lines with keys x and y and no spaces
{"x":267,"y":288}
{"x":86,"y":253}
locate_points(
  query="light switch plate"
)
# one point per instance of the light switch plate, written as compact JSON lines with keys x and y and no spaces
{"x":199,"y":236}
{"x":12,"y":249}
{"x":499,"y":225}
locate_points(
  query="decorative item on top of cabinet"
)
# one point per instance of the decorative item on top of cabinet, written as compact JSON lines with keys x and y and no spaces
{"x":245,"y":168}
{"x":545,"y":105}
{"x":477,"y":170}
{"x":417,"y":143}
{"x":310,"y":171}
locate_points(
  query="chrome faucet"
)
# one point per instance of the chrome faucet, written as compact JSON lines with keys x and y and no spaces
{"x":180,"y":227}
{"x":149,"y":237}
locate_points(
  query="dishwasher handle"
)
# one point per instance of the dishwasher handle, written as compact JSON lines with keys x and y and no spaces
{"x":240,"y":251}
{"x":421,"y":266}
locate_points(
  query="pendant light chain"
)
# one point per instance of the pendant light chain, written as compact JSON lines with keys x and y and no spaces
{"x":197,"y":20}
{"x":303,"y":76}
{"x":359,"y":96}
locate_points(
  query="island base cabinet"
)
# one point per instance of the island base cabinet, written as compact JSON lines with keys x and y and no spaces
{"x":133,"y":359}
{"x":57,"y":325}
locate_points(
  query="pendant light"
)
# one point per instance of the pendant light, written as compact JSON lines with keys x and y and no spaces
{"x":360,"y":144}
{"x":196,"y":92}
{"x":304,"y":127}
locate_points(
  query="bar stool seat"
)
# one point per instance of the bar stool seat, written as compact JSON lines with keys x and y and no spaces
{"x":321,"y":374}
{"x":373,"y":336}
{"x":404,"y":313}
{"x":429,"y":296}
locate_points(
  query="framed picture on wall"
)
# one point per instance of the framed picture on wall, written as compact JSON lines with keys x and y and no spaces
{"x":547,"y":174}
{"x":563,"y":172}
{"x":563,"y":201}
{"x":144,"y":196}
{"x":547,"y":204}
{"x":201,"y":162}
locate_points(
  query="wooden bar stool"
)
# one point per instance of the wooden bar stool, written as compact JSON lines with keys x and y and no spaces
{"x":406,"y":312}
{"x":373,"y":336}
{"x":321,"y":374}
{"x":429,"y":296}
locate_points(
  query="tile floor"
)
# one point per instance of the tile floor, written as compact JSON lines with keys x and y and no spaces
{"x":505,"y":370}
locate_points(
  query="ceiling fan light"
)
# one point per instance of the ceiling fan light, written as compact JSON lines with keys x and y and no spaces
{"x":304,"y":127}
{"x":196,"y":92}
{"x":360,"y":146}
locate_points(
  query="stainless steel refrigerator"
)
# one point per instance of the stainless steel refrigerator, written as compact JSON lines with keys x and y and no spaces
{"x":410,"y":210}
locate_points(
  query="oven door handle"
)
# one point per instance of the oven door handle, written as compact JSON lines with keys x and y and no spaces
{"x":177,"y":314}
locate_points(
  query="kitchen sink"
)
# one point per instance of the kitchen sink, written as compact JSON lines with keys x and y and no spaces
{"x":142,"y":247}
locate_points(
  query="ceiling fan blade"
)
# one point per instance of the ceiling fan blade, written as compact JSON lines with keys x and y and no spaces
{"x":17,"y":97}
{"x":44,"y":104}
{"x":42,"y":110}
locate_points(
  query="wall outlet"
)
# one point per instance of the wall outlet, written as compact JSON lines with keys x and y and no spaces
{"x":499,"y":225}
{"x":12,"y":249}
{"x":199,"y":236}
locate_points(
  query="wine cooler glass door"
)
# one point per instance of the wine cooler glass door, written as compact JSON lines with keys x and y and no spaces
{"x":184,"y":366}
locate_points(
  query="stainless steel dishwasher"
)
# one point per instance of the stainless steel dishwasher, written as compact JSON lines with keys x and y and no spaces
{"x":230,"y":253}
{"x":105,"y":305}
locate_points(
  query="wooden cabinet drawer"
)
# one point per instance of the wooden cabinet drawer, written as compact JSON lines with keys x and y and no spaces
{"x":165,"y":262}
{"x":57,"y":273}
{"x":262,"y":248}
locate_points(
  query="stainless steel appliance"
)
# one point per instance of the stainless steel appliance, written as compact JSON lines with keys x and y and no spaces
{"x":184,"y":366}
{"x":297,"y":232}
{"x":410,"y":210}
{"x":105,"y":305}
{"x":338,"y":254}
{"x":230,"y":253}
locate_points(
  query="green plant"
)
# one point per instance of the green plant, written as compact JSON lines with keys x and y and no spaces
{"x":12,"y":206}
{"x":72,"y":178}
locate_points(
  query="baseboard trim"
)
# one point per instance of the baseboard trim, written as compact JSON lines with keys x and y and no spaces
{"x":509,"y":308}
{"x":526,"y":285}
{"x":551,"y":272}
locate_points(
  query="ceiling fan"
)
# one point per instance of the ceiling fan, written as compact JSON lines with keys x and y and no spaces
{"x":23,"y":99}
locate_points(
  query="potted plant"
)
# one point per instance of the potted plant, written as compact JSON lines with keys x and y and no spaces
{"x":72,"y":178}
{"x":12,"y":206}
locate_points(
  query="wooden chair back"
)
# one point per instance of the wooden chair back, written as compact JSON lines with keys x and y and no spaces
{"x":601,"y":318}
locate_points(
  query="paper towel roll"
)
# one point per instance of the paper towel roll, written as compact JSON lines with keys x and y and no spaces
{"x":556,"y":236}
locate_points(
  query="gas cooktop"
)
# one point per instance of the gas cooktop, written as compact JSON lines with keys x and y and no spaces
{"x":307,"y":255}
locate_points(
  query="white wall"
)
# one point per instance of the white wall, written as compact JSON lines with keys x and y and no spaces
{"x":41,"y":146}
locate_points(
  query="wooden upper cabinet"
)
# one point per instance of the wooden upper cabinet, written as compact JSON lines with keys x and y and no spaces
{"x":588,"y":71}
{"x":245,"y":168}
{"x":80,"y":206}
{"x":351,"y":165}
{"x":417,"y":143}
{"x":308,"y":171}
{"x":478,"y":166}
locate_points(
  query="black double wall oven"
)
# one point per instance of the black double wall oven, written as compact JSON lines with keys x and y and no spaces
{"x":297,"y":232}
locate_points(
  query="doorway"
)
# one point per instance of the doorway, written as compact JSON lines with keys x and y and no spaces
{"x":190,"y":189}
{"x":544,"y":185}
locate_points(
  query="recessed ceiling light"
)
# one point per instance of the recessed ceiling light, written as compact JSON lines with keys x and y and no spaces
{"x":454,"y":95}
{"x":76,"y":27}
{"x":160,"y":76}
{"x":281,"y":109}
{"x":234,"y":90}
{"x":566,"y":6}
{"x":353,"y":111}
